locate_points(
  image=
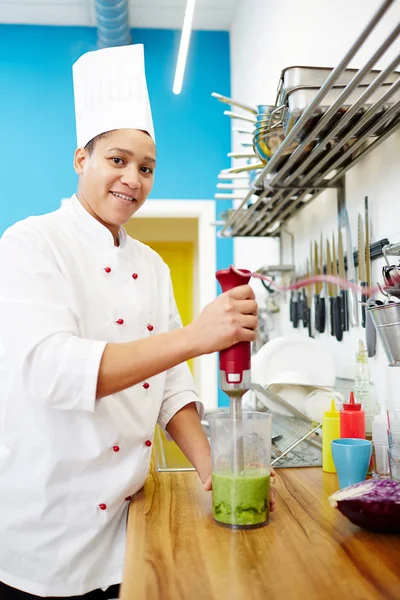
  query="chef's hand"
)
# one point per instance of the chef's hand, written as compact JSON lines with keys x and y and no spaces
{"x":230,"y":318}
{"x":272,"y":500}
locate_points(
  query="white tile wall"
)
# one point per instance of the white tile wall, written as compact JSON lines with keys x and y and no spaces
{"x":269,"y":36}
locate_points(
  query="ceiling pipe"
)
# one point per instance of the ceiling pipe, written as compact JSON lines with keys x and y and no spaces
{"x":112,"y":23}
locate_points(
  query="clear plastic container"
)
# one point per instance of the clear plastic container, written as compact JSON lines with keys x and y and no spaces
{"x":394,"y":452}
{"x":363,"y":391}
{"x":380,"y":447}
{"x":241,"y":465}
{"x":380,"y":461}
{"x":393,"y":418}
{"x":394,"y":462}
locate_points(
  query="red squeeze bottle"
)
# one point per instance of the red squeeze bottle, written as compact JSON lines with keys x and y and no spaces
{"x":352,"y":420}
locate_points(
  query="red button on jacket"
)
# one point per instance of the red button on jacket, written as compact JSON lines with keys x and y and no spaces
{"x":148,"y":443}
{"x":135,"y":275}
{"x":102,"y":506}
{"x":146,"y":386}
{"x":128,"y":498}
{"x":120,"y":322}
{"x":116,"y":448}
{"x":150,"y":327}
{"x":107,"y":269}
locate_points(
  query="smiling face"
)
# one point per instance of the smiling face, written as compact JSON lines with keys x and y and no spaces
{"x":116,"y":176}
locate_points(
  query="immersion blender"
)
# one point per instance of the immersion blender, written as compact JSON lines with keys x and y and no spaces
{"x":235,"y":369}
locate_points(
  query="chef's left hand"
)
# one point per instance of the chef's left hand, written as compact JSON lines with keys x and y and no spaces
{"x":272,"y":501}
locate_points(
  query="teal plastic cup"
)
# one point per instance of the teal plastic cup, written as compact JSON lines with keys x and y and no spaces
{"x":352,"y":457}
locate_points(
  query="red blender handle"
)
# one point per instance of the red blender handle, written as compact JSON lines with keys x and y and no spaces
{"x":236,"y":359}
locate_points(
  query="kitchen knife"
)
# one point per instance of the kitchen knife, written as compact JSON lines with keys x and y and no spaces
{"x":343,"y":292}
{"x":321,"y":301}
{"x":291,"y":303}
{"x":316,"y":287}
{"x":311,"y":290}
{"x":304,"y":315}
{"x":330,"y":286}
{"x":337,"y":300}
{"x":291,"y":307}
{"x":300,"y":305}
{"x":351,"y":272}
{"x":308,"y":292}
{"x":305,"y":308}
{"x":370,"y":331}
{"x":295,"y":309}
{"x":292,"y":280}
{"x":367,"y":242}
{"x":362,"y":275}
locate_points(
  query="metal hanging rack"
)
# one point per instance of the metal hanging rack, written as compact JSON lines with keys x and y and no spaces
{"x":287,"y":184}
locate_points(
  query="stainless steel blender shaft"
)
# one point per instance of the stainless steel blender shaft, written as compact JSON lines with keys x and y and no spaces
{"x":236,"y":416}
{"x":235,"y":392}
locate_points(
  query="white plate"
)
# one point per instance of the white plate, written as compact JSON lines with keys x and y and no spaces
{"x":295,"y":395}
{"x":271,"y":400}
{"x":319,"y":402}
{"x":296,"y":361}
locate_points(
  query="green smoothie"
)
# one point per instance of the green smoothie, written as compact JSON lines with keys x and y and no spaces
{"x":241,"y":500}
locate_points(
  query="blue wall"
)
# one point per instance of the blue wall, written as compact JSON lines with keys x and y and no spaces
{"x":37,"y":117}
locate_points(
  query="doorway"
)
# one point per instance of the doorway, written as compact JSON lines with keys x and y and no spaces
{"x":179,"y":256}
{"x":176,"y":241}
{"x":190,"y":221}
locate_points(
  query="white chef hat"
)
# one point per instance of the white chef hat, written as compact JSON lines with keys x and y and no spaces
{"x":110,"y":92}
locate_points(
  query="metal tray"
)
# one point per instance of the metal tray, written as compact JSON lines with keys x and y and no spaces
{"x":293,"y":77}
{"x":298,"y":99}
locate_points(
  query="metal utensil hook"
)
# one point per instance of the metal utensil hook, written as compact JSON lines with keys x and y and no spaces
{"x":385,"y":252}
{"x":390,"y":250}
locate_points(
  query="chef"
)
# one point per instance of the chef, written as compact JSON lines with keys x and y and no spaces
{"x":92,"y":352}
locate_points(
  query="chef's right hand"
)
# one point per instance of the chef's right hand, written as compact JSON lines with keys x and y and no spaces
{"x":229,"y":319}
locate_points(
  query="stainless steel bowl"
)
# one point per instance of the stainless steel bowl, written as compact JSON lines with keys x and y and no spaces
{"x":386,"y":320}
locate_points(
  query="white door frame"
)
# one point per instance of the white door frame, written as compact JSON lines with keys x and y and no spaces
{"x":204,"y":212}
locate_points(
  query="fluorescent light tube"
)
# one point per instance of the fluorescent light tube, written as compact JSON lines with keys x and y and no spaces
{"x":184,"y":47}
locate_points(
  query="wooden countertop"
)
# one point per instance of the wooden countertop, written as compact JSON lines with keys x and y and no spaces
{"x":308,"y":551}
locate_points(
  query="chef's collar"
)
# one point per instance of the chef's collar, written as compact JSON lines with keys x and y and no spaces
{"x":93,"y":227}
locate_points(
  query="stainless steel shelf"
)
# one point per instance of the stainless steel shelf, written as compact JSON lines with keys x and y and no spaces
{"x":338,"y":141}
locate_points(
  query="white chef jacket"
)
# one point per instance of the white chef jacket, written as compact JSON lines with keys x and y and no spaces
{"x":68,"y":463}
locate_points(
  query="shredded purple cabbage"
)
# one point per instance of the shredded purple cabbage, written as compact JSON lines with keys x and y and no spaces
{"x":373,"y":490}
{"x":373,"y":505}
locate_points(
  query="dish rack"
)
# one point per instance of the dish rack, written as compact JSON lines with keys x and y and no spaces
{"x":328,"y":142}
{"x":289,"y":432}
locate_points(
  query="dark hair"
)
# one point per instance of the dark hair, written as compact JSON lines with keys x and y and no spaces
{"x":91,"y":144}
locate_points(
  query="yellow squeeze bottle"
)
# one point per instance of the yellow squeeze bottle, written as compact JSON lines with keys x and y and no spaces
{"x":330,"y":431}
